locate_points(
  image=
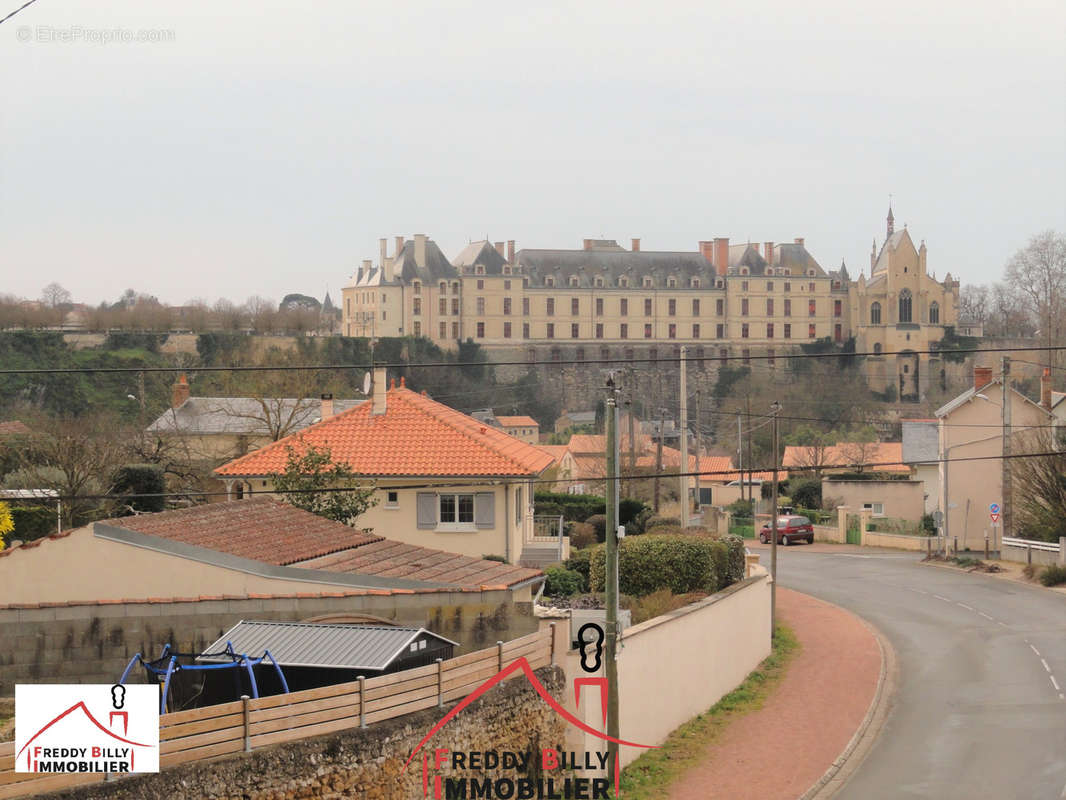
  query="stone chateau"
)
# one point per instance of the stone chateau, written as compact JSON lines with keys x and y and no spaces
{"x":603,"y":301}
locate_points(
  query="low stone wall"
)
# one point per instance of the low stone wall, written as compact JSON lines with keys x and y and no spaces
{"x":900,"y":541}
{"x":828,"y":533}
{"x":1023,"y":555}
{"x":92,"y":643}
{"x":364,"y":763}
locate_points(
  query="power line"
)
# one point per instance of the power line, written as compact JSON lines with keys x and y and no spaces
{"x":549,"y":363}
{"x":17,"y":10}
{"x":474,"y":480}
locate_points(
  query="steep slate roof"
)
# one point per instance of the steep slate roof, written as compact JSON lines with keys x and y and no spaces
{"x":416,"y":437}
{"x":437,"y":264}
{"x":612,"y":264}
{"x":891,"y":243}
{"x":481,"y":252}
{"x":794,"y":256}
{"x":262,"y":529}
{"x":242,"y":415}
{"x":272,"y":532}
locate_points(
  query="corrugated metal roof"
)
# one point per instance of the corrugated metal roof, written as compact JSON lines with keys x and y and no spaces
{"x":307,"y":644}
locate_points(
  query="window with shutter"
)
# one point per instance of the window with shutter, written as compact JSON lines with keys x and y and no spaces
{"x":485,"y":510}
{"x":427,"y":510}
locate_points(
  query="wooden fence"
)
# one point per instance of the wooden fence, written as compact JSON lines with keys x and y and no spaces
{"x":244,"y":725}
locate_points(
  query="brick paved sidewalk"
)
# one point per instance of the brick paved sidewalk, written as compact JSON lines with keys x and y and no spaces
{"x":781,"y":750}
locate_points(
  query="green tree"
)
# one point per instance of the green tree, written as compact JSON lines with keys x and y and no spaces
{"x":7,"y":524}
{"x":309,"y":472}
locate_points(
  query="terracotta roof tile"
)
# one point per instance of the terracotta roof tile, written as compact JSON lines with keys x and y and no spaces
{"x":517,"y":422}
{"x":13,"y":427}
{"x":416,"y":436}
{"x":888,"y":455}
{"x":262,"y":529}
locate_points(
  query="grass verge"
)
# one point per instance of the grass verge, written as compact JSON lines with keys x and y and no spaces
{"x":650,"y":775}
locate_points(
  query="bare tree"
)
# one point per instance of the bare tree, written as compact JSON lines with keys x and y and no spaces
{"x":54,"y":295}
{"x":973,"y":304}
{"x":1040,"y":488}
{"x":1038,"y":273}
{"x":228,"y":314}
{"x":262,"y":313}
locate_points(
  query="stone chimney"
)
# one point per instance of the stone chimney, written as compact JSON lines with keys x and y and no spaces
{"x":707,"y":251}
{"x":1045,"y":389}
{"x":798,"y":240}
{"x":982,"y":376}
{"x":399,"y":247}
{"x":635,"y":246}
{"x":383,"y":249}
{"x":368,"y":264}
{"x":377,"y":392}
{"x":769,"y":255}
{"x":721,"y":254}
{"x":510,"y":251}
{"x":420,"y":250}
{"x":588,"y":244}
{"x":500,"y":250}
{"x":327,"y":406}
{"x":179,"y":392}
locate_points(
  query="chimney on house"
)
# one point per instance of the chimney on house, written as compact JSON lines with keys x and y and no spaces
{"x":588,"y":244}
{"x":1045,"y":389}
{"x":798,"y":240}
{"x":635,"y":246}
{"x":982,"y":376}
{"x":383,"y":248}
{"x":368,"y":264}
{"x":510,"y":251}
{"x":377,"y":391}
{"x":721,"y":254}
{"x":399,"y":247}
{"x":769,"y":256}
{"x":707,"y":251}
{"x":327,"y":406}
{"x":420,"y":250}
{"x":179,"y":392}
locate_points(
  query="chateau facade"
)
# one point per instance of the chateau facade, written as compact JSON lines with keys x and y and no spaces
{"x":603,"y":301}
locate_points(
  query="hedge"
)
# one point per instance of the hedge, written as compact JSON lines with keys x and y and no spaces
{"x":32,"y":522}
{"x":563,"y":582}
{"x":579,"y":507}
{"x":652,"y":562}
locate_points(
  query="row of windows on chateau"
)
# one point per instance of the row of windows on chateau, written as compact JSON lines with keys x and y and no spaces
{"x":696,"y":354}
{"x":623,"y":282}
{"x":906,"y":309}
{"x":624,"y":331}
{"x":623,"y":307}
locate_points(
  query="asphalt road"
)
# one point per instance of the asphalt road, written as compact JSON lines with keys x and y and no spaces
{"x":980,"y":708}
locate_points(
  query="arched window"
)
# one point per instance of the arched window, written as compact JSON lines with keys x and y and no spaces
{"x":934,"y":313}
{"x":875,"y":313}
{"x":877,"y":347}
{"x":905,"y":305}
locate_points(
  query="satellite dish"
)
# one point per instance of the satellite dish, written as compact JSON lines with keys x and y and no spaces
{"x":366,"y":384}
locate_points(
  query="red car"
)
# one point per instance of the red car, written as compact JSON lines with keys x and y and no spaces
{"x":789,"y":529}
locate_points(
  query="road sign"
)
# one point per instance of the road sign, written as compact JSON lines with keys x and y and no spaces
{"x":993,"y":508}
{"x":995,"y":518}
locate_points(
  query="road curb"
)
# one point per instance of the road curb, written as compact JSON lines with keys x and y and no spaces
{"x":841,"y":770}
{"x":995,"y":576}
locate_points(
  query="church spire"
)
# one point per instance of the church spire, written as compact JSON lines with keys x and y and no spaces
{"x":891,"y":220}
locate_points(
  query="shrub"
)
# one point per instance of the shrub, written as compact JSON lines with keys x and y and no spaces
{"x":807,"y":493}
{"x":582,"y":535}
{"x":738,"y":565}
{"x":1053,"y":575}
{"x":639,"y":523}
{"x":629,"y":509}
{"x":741,"y":508}
{"x":599,"y":525}
{"x":32,"y":522}
{"x":662,"y":522}
{"x":562,"y":582}
{"x":140,"y":479}
{"x":928,"y":524}
{"x":651,"y":562}
{"x":579,"y":563}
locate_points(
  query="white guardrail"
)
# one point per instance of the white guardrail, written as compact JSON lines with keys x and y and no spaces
{"x":1030,"y":544}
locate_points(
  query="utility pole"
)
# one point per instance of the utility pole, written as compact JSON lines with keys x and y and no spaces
{"x":1006,"y":500}
{"x":740,"y":455}
{"x":775,"y":409}
{"x":751,"y":463}
{"x":684,"y":442}
{"x":611,"y":578}
{"x":699,"y":433}
{"x":659,"y":457}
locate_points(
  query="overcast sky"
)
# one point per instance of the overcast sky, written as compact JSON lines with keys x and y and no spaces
{"x":267,"y":146}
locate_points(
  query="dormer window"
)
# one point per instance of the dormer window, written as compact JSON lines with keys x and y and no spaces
{"x":647,"y":283}
{"x":836,"y":284}
{"x":599,"y":282}
{"x":549,"y":281}
{"x":788,"y":271}
{"x":769,"y":270}
{"x":623,"y":282}
{"x":672,"y":283}
{"x":810,"y":272}
{"x":479,"y":270}
{"x":744,"y":271}
{"x":417,"y":286}
{"x":506,"y":270}
{"x":695,"y":283}
{"x":574,"y":280}
{"x":719,"y":284}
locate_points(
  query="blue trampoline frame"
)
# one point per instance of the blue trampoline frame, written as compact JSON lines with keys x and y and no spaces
{"x":238,"y":660}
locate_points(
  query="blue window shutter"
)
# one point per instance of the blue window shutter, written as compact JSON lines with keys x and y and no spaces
{"x":485,"y":509}
{"x":427,"y":510}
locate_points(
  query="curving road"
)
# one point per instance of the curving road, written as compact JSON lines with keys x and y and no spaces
{"x":980,"y":708}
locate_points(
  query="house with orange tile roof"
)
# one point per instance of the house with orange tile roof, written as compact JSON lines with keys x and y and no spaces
{"x":444,"y":479}
{"x":869,"y":457}
{"x":524,"y":428}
